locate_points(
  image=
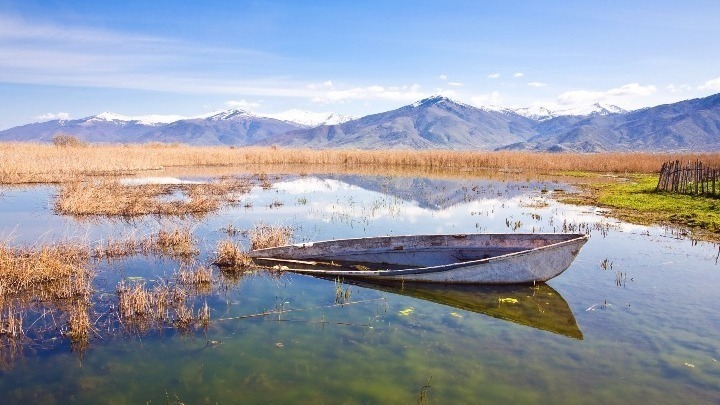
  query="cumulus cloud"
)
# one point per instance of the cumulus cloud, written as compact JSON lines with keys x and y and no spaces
{"x":445,"y":93}
{"x":518,"y":74}
{"x":241,"y":104}
{"x":672,"y":88}
{"x":456,"y":84}
{"x":486,"y":99}
{"x":493,"y":75}
{"x":615,"y":95}
{"x":443,"y":77}
{"x":713,"y":84}
{"x":537,"y":84}
{"x":411,"y":92}
{"x":52,"y":116}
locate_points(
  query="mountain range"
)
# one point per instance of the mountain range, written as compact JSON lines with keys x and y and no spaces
{"x":433,"y":123}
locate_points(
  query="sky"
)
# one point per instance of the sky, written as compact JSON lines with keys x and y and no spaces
{"x":73,"y":59}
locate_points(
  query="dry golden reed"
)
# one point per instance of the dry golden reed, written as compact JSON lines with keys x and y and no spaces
{"x":264,"y":236}
{"x":230,"y":256}
{"x":47,"y":272}
{"x":109,"y":197}
{"x":174,"y":243}
{"x":42,"y":163}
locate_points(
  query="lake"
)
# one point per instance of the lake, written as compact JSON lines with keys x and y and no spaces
{"x":634,"y":319}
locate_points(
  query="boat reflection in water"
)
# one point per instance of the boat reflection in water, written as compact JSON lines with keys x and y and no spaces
{"x":539,"y":306}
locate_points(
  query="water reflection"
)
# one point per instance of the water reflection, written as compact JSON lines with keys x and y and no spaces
{"x":539,"y":307}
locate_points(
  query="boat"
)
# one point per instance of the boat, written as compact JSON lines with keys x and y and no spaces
{"x":539,"y":306}
{"x":482,"y":258}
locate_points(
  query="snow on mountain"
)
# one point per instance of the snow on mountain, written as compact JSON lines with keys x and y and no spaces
{"x":541,"y":113}
{"x":151,"y":119}
{"x":597,"y":108}
{"x":309,"y":118}
{"x":226,"y":115}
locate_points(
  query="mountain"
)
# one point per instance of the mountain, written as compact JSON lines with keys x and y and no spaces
{"x":433,"y":123}
{"x":105,"y":127}
{"x":686,"y":125}
{"x":231,"y":127}
{"x":310,"y":119}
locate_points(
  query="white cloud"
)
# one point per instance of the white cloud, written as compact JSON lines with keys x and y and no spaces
{"x":407,"y":93}
{"x":713,"y":84}
{"x":486,"y":99}
{"x":241,"y":104}
{"x":518,"y":74}
{"x":537,"y":84}
{"x":456,"y":84}
{"x":443,"y":77}
{"x":42,"y":53}
{"x":493,"y":75}
{"x":446,"y":93}
{"x":615,"y":95}
{"x":328,"y":83}
{"x":678,"y":88}
{"x":52,"y":116}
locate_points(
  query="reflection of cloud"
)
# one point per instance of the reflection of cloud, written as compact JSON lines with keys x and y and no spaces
{"x":313,"y":184}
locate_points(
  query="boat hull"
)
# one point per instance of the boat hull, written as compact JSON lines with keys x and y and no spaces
{"x":461,"y":259}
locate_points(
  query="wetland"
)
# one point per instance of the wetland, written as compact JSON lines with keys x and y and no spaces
{"x":136,"y":309}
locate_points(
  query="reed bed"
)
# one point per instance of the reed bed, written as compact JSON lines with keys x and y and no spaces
{"x":48,"y":272}
{"x":108,"y":197}
{"x":231,"y":257}
{"x":44,"y":163}
{"x":141,"y":308}
{"x":53,"y":283}
{"x":264,"y":236}
{"x":174,"y":243}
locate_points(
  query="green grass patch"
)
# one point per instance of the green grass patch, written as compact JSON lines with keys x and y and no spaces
{"x":634,"y":199}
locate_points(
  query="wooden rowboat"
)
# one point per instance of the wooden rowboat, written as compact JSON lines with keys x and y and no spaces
{"x":459,"y":258}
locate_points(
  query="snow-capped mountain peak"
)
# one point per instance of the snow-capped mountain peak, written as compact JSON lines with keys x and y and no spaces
{"x":151,"y":119}
{"x":226,"y":115}
{"x":309,"y":118}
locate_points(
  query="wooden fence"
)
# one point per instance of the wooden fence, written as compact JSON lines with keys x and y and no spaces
{"x":692,"y":178}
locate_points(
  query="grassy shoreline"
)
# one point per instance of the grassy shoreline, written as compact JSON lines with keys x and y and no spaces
{"x":633,"y":198}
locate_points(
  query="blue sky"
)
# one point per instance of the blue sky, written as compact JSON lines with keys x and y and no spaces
{"x":78,"y":58}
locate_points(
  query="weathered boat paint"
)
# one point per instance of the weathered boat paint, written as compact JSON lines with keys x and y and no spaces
{"x":455,"y":258}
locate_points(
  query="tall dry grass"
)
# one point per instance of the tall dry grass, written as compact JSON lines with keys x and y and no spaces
{"x":46,"y":272}
{"x":141,"y":308}
{"x":51,"y":282}
{"x":31,"y":162}
{"x":108,"y":197}
{"x":266,"y":236}
{"x":231,"y":257}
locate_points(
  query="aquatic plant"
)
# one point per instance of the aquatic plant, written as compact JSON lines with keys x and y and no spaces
{"x":230,"y":256}
{"x":264,"y":236}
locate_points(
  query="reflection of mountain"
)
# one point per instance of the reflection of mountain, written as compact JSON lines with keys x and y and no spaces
{"x":435,"y":194}
{"x":539,"y":307}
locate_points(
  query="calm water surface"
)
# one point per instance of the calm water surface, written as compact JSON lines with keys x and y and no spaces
{"x":644,"y":329}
